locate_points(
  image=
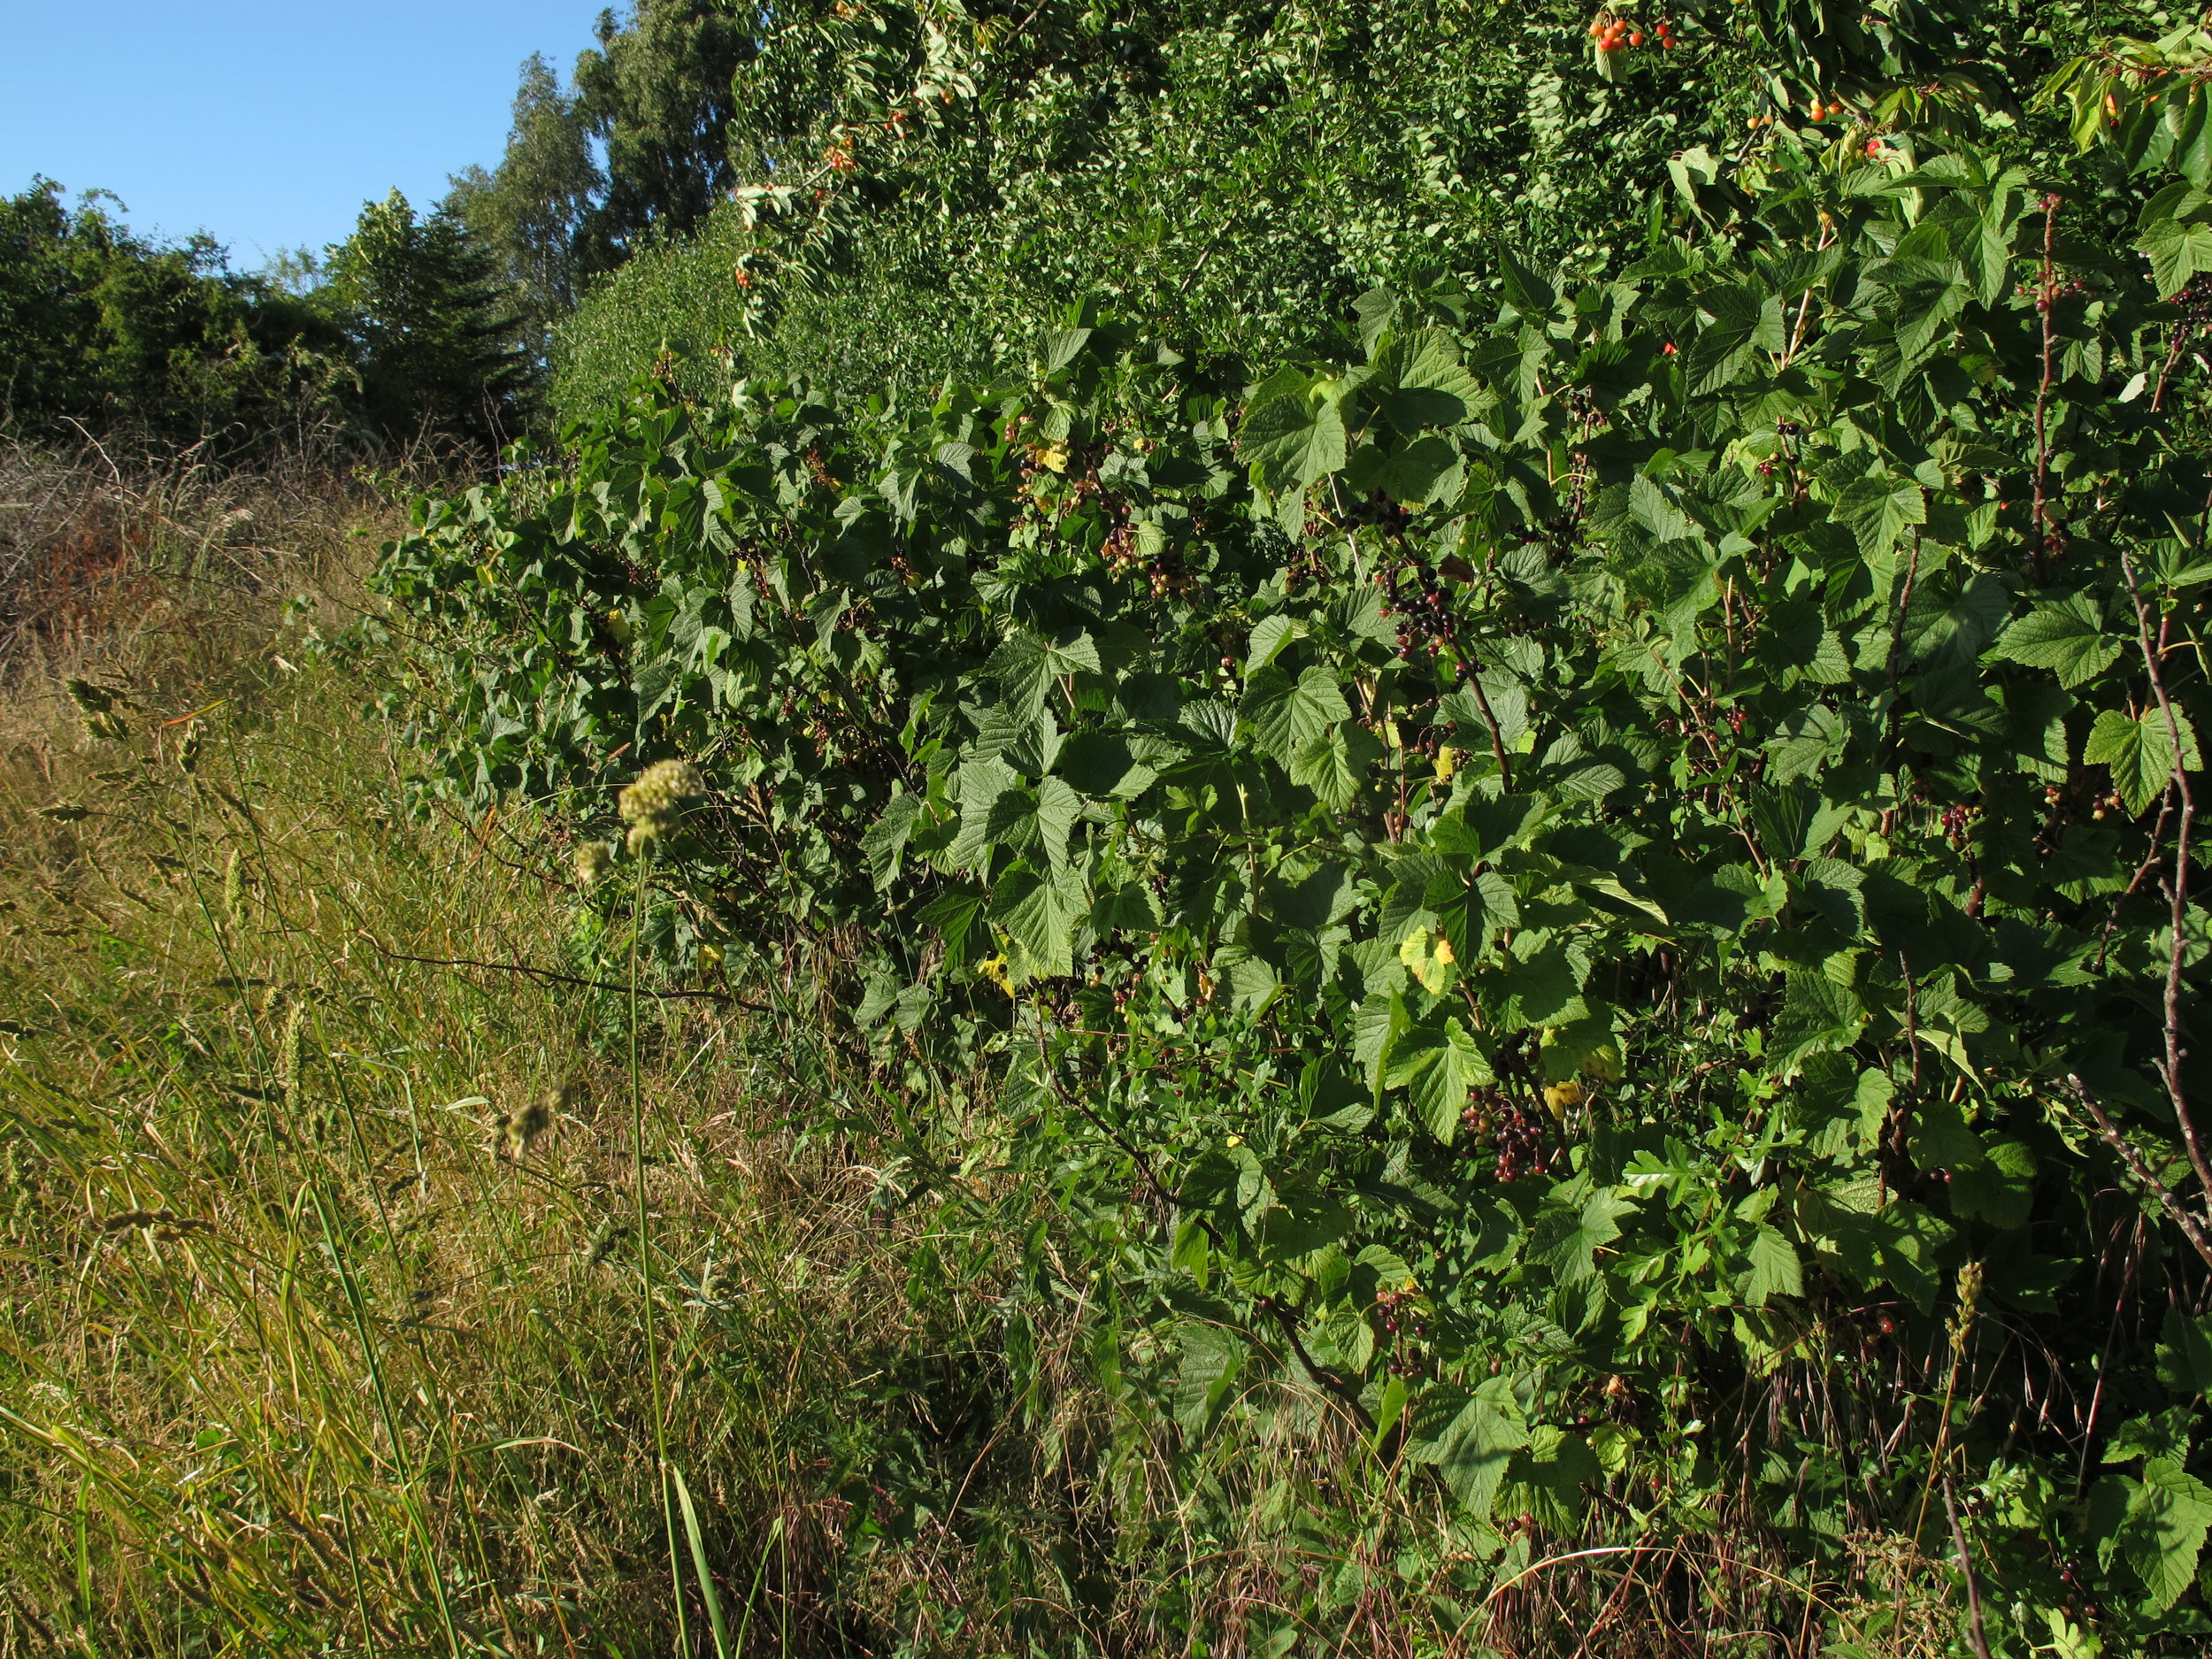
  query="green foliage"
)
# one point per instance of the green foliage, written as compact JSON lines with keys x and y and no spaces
{"x":1549,"y":882}
{"x":530,"y":214}
{"x":918,"y":181}
{"x":655,"y":99}
{"x":658,"y":94}
{"x":398,"y":333}
{"x":434,"y":346}
{"x":101,"y":326}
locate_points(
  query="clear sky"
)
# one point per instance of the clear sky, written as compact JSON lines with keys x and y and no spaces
{"x":266,"y":123}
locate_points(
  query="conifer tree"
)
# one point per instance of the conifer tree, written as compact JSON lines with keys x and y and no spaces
{"x":434,"y":335}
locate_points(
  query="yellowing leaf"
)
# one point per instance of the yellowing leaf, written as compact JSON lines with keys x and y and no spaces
{"x":1428,"y":958}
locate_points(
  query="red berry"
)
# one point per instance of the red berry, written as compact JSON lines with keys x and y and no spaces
{"x":1636,"y":40}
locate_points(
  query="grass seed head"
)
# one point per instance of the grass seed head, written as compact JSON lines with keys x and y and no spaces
{"x":519,"y":1128}
{"x":89,"y":698}
{"x":654,"y":805}
{"x":289,"y":1051}
{"x":594,"y":862}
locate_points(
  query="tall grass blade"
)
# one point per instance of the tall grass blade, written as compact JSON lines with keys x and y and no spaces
{"x":768,"y":1546}
{"x":706,"y":1592}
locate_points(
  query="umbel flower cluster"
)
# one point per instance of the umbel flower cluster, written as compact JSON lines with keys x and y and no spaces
{"x":653,"y":804}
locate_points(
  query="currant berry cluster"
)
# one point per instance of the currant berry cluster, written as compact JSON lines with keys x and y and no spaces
{"x":1400,"y":1310}
{"x":1377,"y":509}
{"x":1416,"y":601}
{"x":1169,"y":577}
{"x":1513,"y":1134}
{"x":2057,"y":291}
{"x":1956,"y":821}
{"x":1401,"y":1323}
{"x":1120,"y":550}
{"x":1614,"y":33}
{"x":2195,"y":301}
{"x":1521,"y":1150}
{"x":1876,"y":1326}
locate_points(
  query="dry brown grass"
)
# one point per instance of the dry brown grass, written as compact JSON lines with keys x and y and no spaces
{"x":301,"y":1348}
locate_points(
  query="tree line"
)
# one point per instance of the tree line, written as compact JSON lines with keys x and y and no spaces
{"x":423,"y":325}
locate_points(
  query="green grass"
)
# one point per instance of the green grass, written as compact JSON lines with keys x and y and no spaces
{"x":315,"y":1337}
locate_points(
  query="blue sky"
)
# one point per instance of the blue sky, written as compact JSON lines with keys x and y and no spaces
{"x":265,"y":122}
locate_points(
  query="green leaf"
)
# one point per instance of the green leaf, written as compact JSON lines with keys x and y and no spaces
{"x":1655,"y":505}
{"x":1376,"y":1026}
{"x":2066,"y":636}
{"x":1774,"y":1269}
{"x":2185,"y":1353}
{"x":1878,"y":510}
{"x":1447,"y":1072}
{"x":1286,"y":716}
{"x":1805,"y":744}
{"x":1129,"y":908}
{"x":1414,"y":473}
{"x":1029,"y":662}
{"x":886,"y":839}
{"x":1546,"y":988}
{"x":1270,"y":636}
{"x":1952,"y":632}
{"x":1038,"y":916}
{"x":1295,"y":440}
{"x":981,"y":784}
{"x":1417,"y":382}
{"x":1997,"y":1186}
{"x":1734,"y":315}
{"x":2156,"y":1526}
{"x":1528,"y":292}
{"x":1104,"y":766}
{"x":1212,"y":1357}
{"x":2177,"y":251}
{"x":1476,"y":1447}
{"x":1567,"y":1236}
{"x":1325,"y":766}
{"x":1057,"y":808}
{"x":1818,"y":1016}
{"x":2140,"y":753}
{"x":953,"y":915}
{"x":1057,"y":348}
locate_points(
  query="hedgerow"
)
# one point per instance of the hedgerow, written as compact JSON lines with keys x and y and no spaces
{"x":1598,"y":894}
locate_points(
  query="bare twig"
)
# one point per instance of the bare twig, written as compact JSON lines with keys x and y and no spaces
{"x":2175,"y":1211}
{"x":2178,"y":889}
{"x":2150,"y":863}
{"x":1497,"y":739}
{"x":2046,"y":304}
{"x":551,"y":978}
{"x":1974,"y":1630}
